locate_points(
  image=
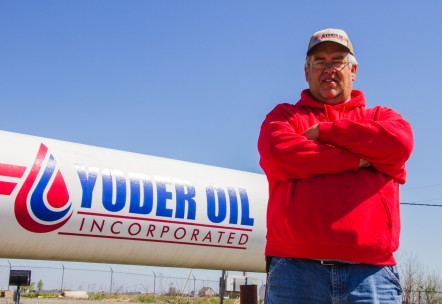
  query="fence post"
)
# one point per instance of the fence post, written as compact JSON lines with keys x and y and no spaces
{"x":154,"y":283}
{"x":10,"y":268}
{"x":62,"y":277}
{"x":112,"y":280}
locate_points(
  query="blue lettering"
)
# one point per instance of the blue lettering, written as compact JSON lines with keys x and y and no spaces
{"x":245,"y":209}
{"x":185,"y":193}
{"x":87,"y":181}
{"x":213,"y":206}
{"x":136,"y":205}
{"x":108,"y":190}
{"x":233,"y":206}
{"x":162,"y":196}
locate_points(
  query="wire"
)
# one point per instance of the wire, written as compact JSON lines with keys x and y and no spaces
{"x":428,"y":200}
{"x":424,"y":203}
{"x":420,"y":204}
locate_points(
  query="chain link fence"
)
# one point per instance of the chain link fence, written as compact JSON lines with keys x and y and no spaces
{"x":149,"y":280}
{"x":61,"y":278}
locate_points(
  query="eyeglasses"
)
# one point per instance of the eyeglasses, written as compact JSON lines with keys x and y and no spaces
{"x":336,"y":65}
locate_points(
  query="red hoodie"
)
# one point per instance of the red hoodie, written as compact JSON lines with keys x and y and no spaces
{"x":321,"y":205}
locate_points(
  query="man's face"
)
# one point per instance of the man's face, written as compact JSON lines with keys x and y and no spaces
{"x":327,"y":83}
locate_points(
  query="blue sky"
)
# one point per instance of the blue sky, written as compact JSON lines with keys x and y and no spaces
{"x":193,"y":80}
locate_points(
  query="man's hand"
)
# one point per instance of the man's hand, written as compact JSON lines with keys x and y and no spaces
{"x":312,"y":132}
{"x":364,"y":163}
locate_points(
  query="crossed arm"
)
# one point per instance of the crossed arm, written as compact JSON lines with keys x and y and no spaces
{"x":384,"y":142}
{"x":312,"y":133}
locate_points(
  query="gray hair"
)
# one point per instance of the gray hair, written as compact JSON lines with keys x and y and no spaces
{"x":352,"y":60}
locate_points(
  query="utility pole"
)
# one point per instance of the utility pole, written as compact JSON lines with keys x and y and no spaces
{"x":222,"y":286}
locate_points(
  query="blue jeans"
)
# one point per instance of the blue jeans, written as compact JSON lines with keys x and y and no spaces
{"x":299,"y":281}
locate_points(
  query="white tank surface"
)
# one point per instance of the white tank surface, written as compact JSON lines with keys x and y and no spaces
{"x":74,"y":202}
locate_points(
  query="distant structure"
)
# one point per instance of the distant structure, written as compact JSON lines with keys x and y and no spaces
{"x":206,"y":292}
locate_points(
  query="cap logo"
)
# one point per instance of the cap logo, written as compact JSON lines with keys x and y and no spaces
{"x":328,"y":36}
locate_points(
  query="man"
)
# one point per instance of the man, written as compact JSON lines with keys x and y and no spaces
{"x":334,"y":169}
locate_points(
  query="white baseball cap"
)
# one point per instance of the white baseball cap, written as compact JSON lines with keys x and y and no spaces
{"x":330,"y":35}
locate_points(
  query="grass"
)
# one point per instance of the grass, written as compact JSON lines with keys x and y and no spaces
{"x":173,"y":299}
{"x":46,"y":295}
{"x":140,"y":298}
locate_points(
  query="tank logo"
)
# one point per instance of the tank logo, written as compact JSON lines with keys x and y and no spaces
{"x":42,"y":203}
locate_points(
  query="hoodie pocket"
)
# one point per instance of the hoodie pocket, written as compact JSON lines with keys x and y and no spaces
{"x":346,"y":213}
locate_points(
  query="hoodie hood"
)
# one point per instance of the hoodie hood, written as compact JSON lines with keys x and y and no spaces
{"x":357,"y":99}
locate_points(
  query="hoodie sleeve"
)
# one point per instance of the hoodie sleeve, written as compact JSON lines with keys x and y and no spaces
{"x":286,"y":154}
{"x":386,"y":141}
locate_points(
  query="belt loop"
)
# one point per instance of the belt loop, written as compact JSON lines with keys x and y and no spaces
{"x":268,"y":261}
